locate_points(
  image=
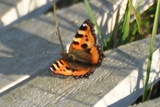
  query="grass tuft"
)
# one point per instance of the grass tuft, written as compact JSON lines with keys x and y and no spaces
{"x":152,"y":44}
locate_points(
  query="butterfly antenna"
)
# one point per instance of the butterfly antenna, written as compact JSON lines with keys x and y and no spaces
{"x":57,"y":25}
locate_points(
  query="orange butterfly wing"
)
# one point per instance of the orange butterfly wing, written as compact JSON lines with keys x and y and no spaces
{"x":61,"y":67}
{"x":85,"y":40}
{"x":84,"y":54}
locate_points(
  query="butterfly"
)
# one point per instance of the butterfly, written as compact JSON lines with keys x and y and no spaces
{"x":84,"y":54}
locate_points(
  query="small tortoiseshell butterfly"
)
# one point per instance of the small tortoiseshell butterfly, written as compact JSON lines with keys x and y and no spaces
{"x":84,"y":54}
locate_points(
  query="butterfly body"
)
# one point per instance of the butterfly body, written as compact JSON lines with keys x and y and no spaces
{"x":84,"y":54}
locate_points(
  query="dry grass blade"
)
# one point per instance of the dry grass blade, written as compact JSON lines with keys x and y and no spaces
{"x":57,"y":25}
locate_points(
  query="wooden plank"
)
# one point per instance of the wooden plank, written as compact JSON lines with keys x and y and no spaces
{"x":22,"y":60}
{"x":22,"y":45}
{"x":11,"y":10}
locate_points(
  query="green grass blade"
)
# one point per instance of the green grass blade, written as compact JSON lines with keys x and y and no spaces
{"x":126,"y":25}
{"x":94,"y":21}
{"x":113,"y":40}
{"x":154,"y":31}
{"x":138,"y":19}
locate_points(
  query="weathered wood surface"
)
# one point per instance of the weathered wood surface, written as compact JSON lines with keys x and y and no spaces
{"x":22,"y":61}
{"x":11,"y":10}
{"x":22,"y":45}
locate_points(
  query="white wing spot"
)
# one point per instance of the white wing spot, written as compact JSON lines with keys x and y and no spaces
{"x":51,"y":69}
{"x":84,"y":24}
{"x":67,"y":47}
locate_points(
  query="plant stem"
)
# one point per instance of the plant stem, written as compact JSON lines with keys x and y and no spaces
{"x":154,"y":31}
